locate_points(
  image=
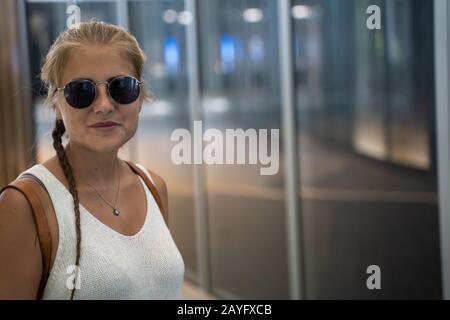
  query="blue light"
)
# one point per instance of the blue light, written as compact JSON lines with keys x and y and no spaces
{"x":171,"y":55}
{"x":227,"y":53}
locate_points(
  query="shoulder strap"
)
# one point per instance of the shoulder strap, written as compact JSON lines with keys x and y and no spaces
{"x":36,"y":193}
{"x":152,"y":188}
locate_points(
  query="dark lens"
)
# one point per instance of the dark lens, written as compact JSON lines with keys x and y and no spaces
{"x":80,"y":93}
{"x":124,"y":90}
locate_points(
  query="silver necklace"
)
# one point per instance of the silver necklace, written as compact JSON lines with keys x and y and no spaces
{"x":116,"y":210}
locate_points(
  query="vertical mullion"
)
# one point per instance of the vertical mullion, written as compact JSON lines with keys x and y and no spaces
{"x":123,"y":21}
{"x":202,"y":223}
{"x":293,"y":219}
{"x":122,"y":13}
{"x":441,"y":13}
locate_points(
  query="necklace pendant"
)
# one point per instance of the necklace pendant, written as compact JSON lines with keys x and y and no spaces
{"x":116,"y":212}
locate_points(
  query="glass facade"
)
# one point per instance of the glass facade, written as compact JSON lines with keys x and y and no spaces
{"x":240,"y":89}
{"x":365,"y":101}
{"x":365,"y":107}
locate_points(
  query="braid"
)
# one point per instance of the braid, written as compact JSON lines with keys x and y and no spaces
{"x":58,"y":132}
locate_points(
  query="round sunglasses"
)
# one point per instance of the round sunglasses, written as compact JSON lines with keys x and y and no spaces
{"x":81,"y":93}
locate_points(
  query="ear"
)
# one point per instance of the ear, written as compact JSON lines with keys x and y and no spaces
{"x":141,"y":104}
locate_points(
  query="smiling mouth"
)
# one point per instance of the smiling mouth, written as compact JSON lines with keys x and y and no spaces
{"x":105,"y":127}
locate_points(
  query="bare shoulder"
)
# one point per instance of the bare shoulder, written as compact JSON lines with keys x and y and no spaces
{"x":14,"y":206}
{"x":20,"y":253}
{"x":16,"y":216}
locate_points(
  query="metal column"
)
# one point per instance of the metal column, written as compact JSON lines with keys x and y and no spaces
{"x":122,"y":13}
{"x":293,"y":219}
{"x":202,"y":222}
{"x":441,"y":41}
{"x":122,"y":16}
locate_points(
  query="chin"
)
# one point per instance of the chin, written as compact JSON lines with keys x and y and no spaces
{"x":104,"y":146}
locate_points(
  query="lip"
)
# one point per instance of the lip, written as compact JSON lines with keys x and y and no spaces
{"x":105,"y":126}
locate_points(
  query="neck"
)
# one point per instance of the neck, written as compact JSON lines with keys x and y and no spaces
{"x":98,"y":168}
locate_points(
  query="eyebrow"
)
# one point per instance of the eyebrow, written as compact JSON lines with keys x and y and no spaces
{"x":87,"y":78}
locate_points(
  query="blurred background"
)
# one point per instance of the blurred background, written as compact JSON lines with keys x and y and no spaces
{"x":356,"y":108}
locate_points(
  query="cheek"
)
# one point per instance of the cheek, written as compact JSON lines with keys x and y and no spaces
{"x":132,"y":117}
{"x":73,"y":121}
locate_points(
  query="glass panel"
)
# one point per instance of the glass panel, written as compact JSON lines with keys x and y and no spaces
{"x":156,"y":24}
{"x":365,"y":102}
{"x":240,"y":82}
{"x":162,"y":37}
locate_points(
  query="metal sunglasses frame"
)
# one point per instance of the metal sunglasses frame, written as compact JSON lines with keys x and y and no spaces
{"x":99,"y":83}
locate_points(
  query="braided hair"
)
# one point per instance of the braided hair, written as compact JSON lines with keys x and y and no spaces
{"x":57,"y":134}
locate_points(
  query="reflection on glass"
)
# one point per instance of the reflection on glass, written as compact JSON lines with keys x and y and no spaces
{"x":240,"y":86}
{"x":159,"y":27}
{"x":368,"y":183}
{"x":365,"y":113}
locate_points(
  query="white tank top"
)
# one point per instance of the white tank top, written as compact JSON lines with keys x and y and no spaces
{"x":146,"y":265}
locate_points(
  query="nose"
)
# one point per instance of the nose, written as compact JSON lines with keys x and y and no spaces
{"x":103,"y":103}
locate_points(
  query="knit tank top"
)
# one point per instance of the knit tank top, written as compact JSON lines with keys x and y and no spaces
{"x":146,"y":265}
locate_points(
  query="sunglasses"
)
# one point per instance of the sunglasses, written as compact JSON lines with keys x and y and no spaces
{"x":81,"y":93}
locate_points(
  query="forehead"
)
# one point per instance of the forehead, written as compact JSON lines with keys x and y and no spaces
{"x":96,"y":63}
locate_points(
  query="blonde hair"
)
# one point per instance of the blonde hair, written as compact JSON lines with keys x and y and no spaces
{"x":84,"y":35}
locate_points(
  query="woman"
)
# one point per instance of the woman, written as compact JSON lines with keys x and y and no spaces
{"x":106,"y":225}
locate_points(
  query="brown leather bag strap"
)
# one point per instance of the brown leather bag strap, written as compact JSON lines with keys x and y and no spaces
{"x":36,"y":194}
{"x":152,"y":188}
